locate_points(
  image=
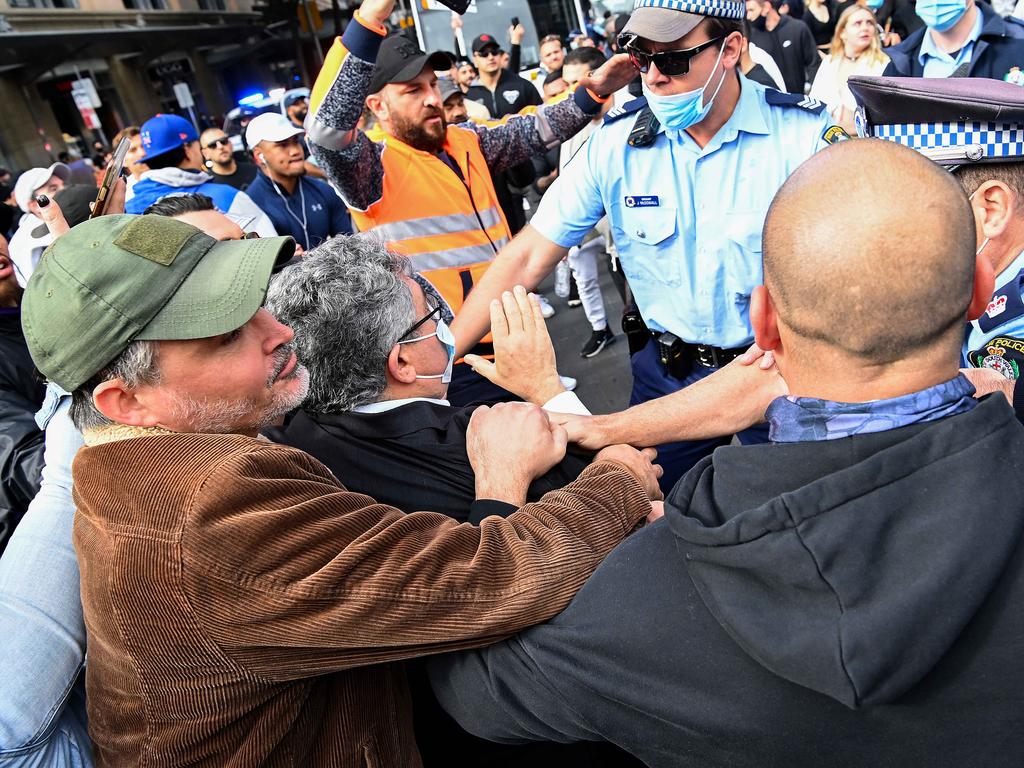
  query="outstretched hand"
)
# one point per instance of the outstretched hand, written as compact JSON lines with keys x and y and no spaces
{"x":524,"y":359}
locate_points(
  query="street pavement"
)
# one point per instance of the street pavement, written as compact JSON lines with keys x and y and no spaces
{"x":604,"y":380}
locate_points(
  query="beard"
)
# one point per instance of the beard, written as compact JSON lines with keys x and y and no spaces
{"x":227,"y":415}
{"x":417,"y":135}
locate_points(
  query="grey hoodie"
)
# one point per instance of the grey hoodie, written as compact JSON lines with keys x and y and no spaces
{"x":852,"y":602}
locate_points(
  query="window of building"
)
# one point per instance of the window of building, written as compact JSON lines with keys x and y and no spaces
{"x":146,"y":5}
{"x":212,"y":5}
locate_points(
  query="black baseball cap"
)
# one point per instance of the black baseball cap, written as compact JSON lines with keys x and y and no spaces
{"x":400,"y":60}
{"x":482,"y":41}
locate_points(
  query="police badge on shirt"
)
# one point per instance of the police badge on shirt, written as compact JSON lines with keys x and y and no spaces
{"x":1002,"y":326}
{"x":1003,"y":354}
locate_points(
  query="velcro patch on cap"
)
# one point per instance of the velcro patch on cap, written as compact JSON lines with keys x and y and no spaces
{"x":156,"y":238}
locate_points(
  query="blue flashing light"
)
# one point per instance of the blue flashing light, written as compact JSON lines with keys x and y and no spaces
{"x":251,"y":99}
{"x":296,"y":78}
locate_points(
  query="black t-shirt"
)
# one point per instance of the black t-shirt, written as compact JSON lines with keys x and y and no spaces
{"x":240,"y":179}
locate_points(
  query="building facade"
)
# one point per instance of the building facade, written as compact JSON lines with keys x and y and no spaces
{"x":73,"y":72}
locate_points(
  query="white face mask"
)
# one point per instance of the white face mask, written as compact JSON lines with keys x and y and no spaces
{"x":447,"y":338}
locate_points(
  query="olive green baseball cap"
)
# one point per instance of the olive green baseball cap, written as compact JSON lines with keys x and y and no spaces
{"x":115,"y":279}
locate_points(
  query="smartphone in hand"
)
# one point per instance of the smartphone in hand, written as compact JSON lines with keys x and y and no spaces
{"x":110,"y":177}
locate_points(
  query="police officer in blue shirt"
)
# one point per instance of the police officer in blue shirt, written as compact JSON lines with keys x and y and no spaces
{"x":685,"y":174}
{"x":975,"y":128}
{"x":306,"y":208}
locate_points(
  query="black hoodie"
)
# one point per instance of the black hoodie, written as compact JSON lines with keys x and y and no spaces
{"x":853,"y":602}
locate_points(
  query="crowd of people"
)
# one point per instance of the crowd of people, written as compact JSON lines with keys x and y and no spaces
{"x":289,"y":476}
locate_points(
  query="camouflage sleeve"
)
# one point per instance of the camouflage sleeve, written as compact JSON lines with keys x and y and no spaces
{"x":534,"y":130}
{"x":349,"y":158}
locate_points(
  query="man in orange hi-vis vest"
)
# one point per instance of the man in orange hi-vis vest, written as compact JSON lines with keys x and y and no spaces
{"x":424,"y":187}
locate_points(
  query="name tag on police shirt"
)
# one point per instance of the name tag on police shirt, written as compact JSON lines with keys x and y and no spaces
{"x":642,"y":201}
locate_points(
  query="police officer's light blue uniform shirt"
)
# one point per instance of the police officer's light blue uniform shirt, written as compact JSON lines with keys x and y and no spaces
{"x":938,"y":63}
{"x":996,"y":339}
{"x":687,"y":221}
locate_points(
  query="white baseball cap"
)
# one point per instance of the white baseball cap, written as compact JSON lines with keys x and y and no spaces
{"x":34,"y":178}
{"x":270,"y":126}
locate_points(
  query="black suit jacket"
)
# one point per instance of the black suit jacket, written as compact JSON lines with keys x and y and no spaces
{"x":412,"y":457}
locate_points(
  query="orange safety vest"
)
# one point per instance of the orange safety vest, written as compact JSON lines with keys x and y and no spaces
{"x":449,"y":227}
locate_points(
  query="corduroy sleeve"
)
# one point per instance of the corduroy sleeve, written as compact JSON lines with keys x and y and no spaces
{"x":295,"y":576}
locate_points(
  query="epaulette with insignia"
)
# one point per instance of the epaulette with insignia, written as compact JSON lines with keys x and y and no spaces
{"x":626,"y":109}
{"x":780,"y":99}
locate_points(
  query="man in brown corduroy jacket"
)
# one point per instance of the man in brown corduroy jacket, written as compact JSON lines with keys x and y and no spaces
{"x":242,"y":607}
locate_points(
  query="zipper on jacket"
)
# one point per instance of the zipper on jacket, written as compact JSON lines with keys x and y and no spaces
{"x":458,"y":172}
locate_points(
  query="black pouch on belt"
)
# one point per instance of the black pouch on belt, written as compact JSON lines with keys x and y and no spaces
{"x":633,"y":325}
{"x":672,"y":353}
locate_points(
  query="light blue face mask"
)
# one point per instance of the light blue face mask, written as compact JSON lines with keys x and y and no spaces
{"x":941,"y":15}
{"x":447,"y":338}
{"x":874,"y":5}
{"x":681,"y":110}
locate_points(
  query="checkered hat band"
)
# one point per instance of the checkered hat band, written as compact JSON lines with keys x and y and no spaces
{"x":997,"y":139}
{"x":726,"y":9}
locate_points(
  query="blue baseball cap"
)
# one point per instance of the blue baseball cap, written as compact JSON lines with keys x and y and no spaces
{"x":166,"y":132}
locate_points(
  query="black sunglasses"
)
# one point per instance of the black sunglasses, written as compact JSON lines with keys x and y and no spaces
{"x":218,"y":142}
{"x":671,"y":63}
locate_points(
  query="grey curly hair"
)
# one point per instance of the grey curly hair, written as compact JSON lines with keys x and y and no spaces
{"x":347,"y":303}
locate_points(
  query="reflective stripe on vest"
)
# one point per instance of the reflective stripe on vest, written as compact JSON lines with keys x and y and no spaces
{"x":428,"y":226}
{"x":455,"y":257}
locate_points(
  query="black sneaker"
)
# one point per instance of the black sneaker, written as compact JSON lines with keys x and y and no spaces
{"x":574,"y":294}
{"x":598,"y":341}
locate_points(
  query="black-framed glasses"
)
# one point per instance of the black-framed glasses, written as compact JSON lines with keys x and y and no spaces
{"x":486,"y":53}
{"x":433,"y":314}
{"x":222,"y":142}
{"x":671,"y":63}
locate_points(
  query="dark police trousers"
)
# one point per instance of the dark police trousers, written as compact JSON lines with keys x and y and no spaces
{"x":651,"y":381}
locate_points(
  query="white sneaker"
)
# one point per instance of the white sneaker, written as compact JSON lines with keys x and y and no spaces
{"x":568,"y":382}
{"x":545,"y":307}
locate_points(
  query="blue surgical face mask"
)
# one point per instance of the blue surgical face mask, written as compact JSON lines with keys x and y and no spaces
{"x":681,"y":110}
{"x":874,"y":5}
{"x":941,"y":15}
{"x":447,"y":338}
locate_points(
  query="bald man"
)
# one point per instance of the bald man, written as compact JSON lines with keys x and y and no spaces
{"x":846,"y":596}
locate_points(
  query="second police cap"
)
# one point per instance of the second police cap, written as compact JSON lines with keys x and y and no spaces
{"x":664,"y":21}
{"x":952,"y":121}
{"x":114,"y":279}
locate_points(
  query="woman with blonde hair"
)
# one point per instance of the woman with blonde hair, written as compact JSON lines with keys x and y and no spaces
{"x":856,"y":50}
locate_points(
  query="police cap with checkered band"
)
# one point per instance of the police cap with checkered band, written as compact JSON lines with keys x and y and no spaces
{"x":664,"y":21}
{"x":952,"y":121}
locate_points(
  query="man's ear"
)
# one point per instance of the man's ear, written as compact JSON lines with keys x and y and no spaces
{"x":994,"y":206}
{"x":984,"y":285}
{"x":400,"y":368}
{"x":375,"y":103}
{"x":119,"y":404}
{"x":763,"y":319}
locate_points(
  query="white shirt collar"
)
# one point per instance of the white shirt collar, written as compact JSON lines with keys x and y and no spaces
{"x":387,"y":405}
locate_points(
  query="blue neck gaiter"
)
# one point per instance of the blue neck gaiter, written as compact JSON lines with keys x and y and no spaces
{"x":801,"y":419}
